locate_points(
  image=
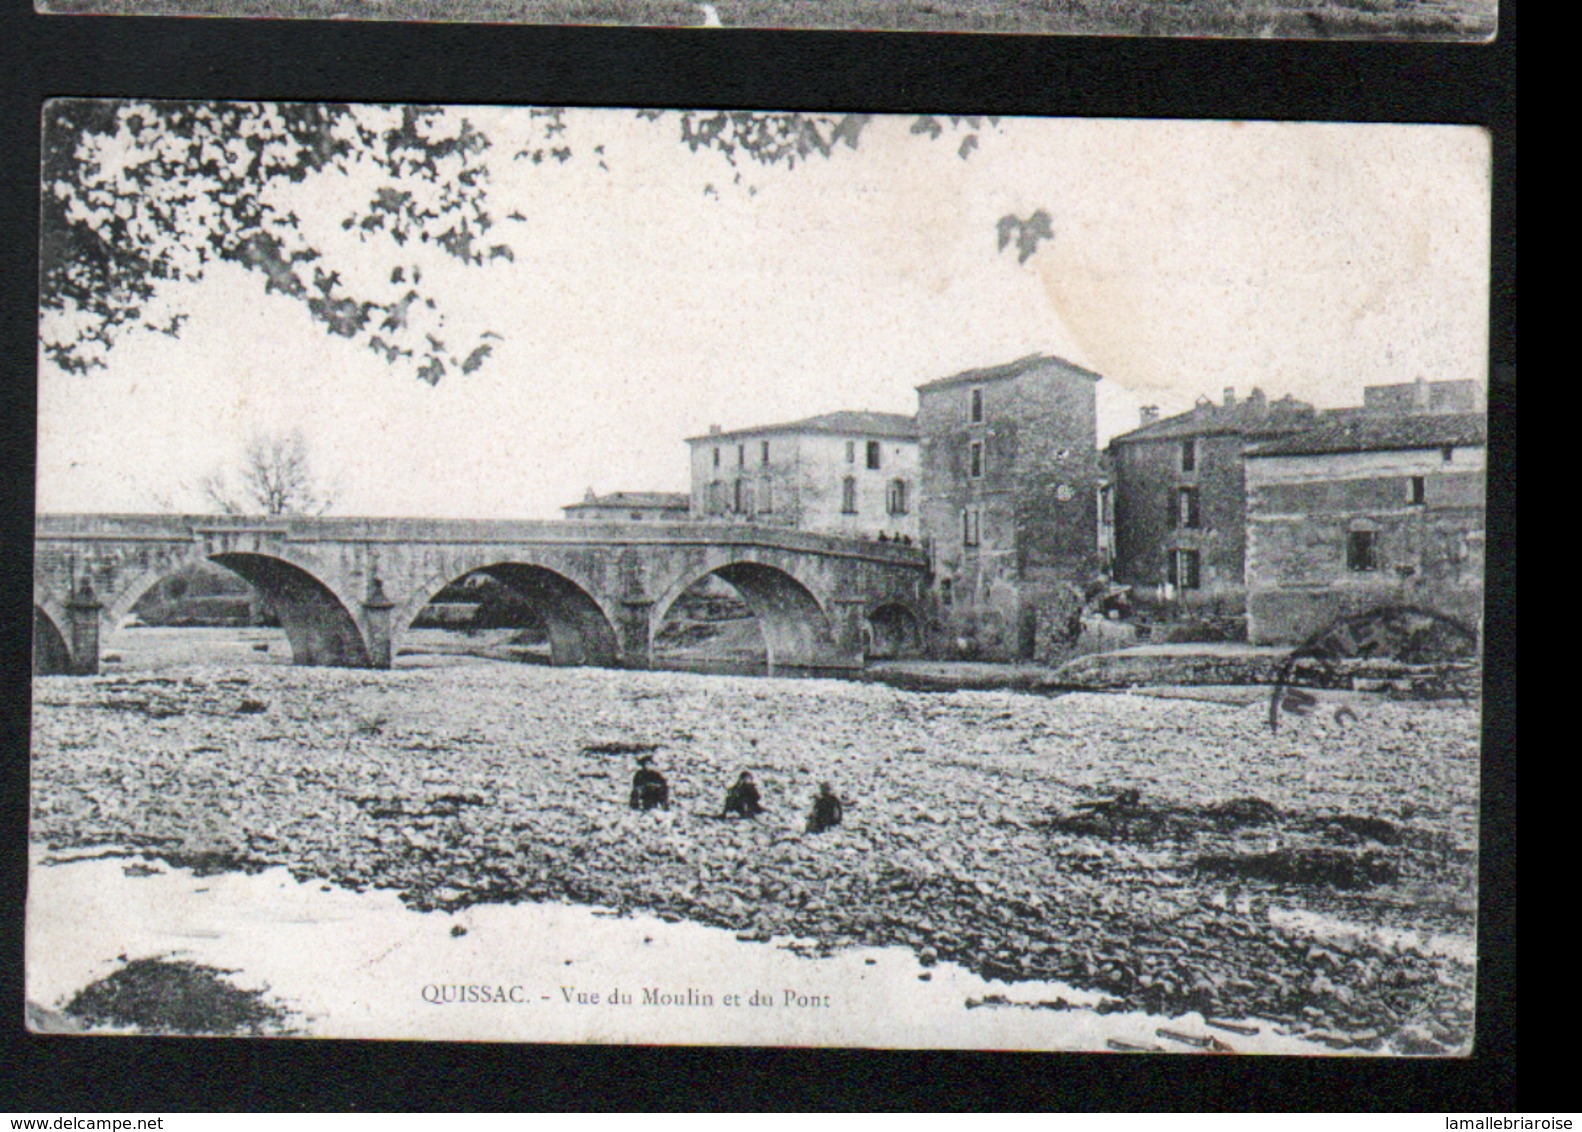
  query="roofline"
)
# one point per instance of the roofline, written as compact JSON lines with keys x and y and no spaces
{"x":627,"y":505}
{"x":1351,"y":449}
{"x":1216,"y":430}
{"x":1006,"y":372}
{"x":684,"y":499}
{"x":802,"y":427}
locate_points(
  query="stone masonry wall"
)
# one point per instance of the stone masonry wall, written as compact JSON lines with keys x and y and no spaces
{"x":1302,"y":511}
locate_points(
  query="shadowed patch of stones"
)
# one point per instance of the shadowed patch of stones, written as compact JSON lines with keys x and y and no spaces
{"x":1127,"y":817}
{"x":1333,"y":867}
{"x":165,"y":996}
{"x":620,"y":747}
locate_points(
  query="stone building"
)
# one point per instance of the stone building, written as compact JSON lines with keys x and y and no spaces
{"x":1423,"y":396}
{"x":848,"y":473}
{"x":1362,"y":512}
{"x":632,"y":507}
{"x":1010,"y":497}
{"x":1180,"y":498}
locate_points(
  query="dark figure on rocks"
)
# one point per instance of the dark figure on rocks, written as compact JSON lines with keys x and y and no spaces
{"x":649,"y":788}
{"x":826,"y":812}
{"x":742,"y":800}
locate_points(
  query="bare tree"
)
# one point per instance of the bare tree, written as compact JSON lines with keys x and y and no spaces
{"x":275,"y":478}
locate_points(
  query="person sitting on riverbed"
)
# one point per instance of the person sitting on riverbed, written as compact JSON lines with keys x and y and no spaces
{"x":649,"y":788}
{"x":742,"y":800}
{"x":826,"y":812}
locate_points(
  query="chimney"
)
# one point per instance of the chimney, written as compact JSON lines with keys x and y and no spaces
{"x":714,"y":430}
{"x":588,"y":496}
{"x":1420,"y":394}
{"x":1230,"y":396}
{"x":1150,"y":413}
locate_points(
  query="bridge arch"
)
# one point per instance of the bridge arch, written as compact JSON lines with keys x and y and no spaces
{"x":316,"y":616}
{"x":793,"y":622}
{"x":581,"y":629}
{"x":892,"y":629}
{"x":51,"y":650}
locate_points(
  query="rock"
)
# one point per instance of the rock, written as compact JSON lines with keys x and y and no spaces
{"x":1416,"y":1041}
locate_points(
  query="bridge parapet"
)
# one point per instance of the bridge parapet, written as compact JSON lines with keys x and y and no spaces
{"x":327,"y":528}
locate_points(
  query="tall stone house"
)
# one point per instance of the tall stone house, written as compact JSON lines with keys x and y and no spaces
{"x":1010,"y":496}
{"x":1179,"y":497}
{"x":846,"y":473}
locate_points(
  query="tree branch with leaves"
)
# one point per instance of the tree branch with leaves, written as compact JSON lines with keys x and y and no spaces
{"x":142,"y":195}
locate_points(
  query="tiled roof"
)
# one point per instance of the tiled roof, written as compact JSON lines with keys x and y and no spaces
{"x":1009,"y":369}
{"x":674,"y":500}
{"x":848,"y":423}
{"x":1381,"y":434}
{"x":1251,"y":417}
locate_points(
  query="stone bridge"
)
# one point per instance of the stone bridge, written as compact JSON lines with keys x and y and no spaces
{"x":347,"y":589}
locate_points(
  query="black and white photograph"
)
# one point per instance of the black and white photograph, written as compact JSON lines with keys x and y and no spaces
{"x":1435,"y":21}
{"x":758,"y":578}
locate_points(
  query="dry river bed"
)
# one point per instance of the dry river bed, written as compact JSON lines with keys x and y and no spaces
{"x":1321,"y":878}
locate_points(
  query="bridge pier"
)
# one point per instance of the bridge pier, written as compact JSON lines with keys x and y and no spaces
{"x":376,"y":620}
{"x":82,"y":626}
{"x":846,"y":622}
{"x":635,"y":632}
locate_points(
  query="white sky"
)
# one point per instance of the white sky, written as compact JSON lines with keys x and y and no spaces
{"x":1304,"y":259}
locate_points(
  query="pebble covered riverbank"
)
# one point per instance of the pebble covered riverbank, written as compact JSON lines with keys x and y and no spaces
{"x":1320,"y":878}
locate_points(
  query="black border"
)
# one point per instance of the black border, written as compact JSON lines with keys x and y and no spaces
{"x":1110,"y":77}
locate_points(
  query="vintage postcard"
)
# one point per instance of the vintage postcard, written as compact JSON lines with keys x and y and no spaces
{"x":1399,"y":20}
{"x":758,"y":578}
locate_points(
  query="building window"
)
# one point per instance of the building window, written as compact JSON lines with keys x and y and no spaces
{"x":848,"y":496}
{"x":1447,"y":453}
{"x":1187,"y":508}
{"x":637,"y":516}
{"x":975,"y":413}
{"x":716,"y":498}
{"x":1186,"y":570}
{"x":741,"y":455}
{"x":851,"y":452}
{"x":896,"y":497}
{"x":969,"y":527}
{"x":744,"y":497}
{"x":716,"y":457}
{"x":768,"y":497}
{"x":873,"y":454}
{"x":763,"y":452}
{"x":1416,"y":490}
{"x":946,"y":592}
{"x":1362,"y":550}
{"x":975,"y":459}
{"x":1188,"y":455}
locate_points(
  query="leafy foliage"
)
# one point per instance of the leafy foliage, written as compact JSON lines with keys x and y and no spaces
{"x":1027,"y":234}
{"x":138,"y":195}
